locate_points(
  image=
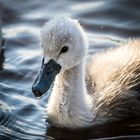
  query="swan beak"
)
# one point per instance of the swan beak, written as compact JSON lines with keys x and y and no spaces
{"x":45,"y":78}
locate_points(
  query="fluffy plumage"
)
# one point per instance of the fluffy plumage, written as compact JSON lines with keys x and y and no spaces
{"x":108,"y":90}
{"x":116,"y":77}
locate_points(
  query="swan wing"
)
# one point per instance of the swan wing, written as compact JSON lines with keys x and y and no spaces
{"x":113,"y":80}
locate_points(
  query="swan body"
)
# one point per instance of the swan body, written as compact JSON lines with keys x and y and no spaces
{"x":106,"y":88}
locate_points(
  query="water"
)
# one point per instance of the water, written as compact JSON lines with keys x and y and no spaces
{"x":107,"y":24}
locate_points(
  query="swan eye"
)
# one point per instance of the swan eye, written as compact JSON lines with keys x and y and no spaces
{"x":64,"y":49}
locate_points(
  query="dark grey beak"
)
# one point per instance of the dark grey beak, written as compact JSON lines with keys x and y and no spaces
{"x":45,"y":78}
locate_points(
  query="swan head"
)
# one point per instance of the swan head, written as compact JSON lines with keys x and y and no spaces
{"x":64,"y":46}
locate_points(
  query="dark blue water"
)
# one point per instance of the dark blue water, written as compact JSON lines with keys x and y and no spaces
{"x":107,"y":24}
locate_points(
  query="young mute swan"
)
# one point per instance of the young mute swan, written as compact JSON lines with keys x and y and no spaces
{"x":104,"y":90}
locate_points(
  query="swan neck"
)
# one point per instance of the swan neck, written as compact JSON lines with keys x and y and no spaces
{"x":69,"y":104}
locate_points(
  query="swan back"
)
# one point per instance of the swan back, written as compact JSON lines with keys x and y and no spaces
{"x":114,"y":81}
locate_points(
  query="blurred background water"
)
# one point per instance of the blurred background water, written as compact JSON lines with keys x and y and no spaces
{"x":107,"y":24}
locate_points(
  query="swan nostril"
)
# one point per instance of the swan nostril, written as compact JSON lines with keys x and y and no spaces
{"x":37,"y":92}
